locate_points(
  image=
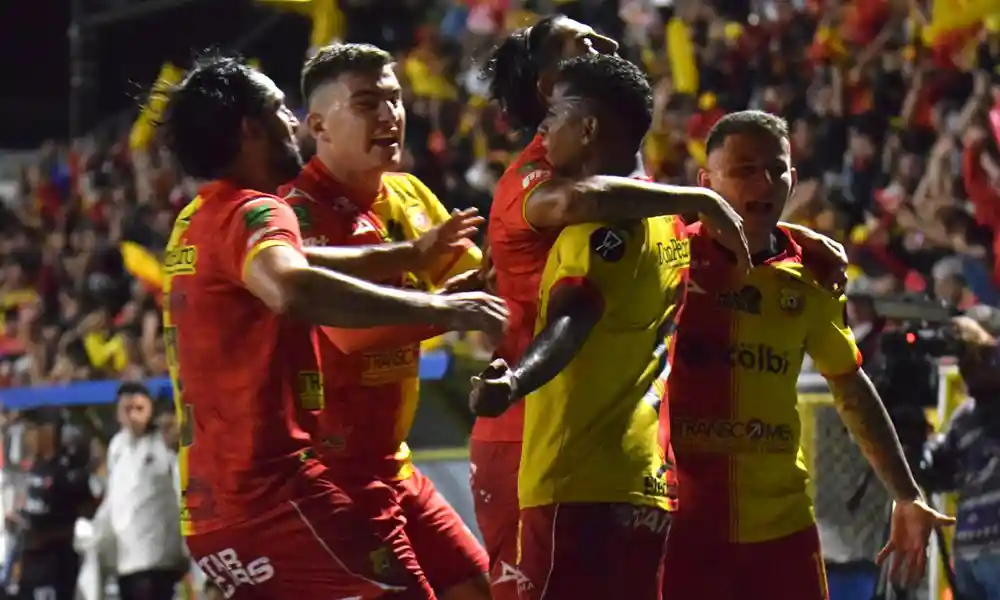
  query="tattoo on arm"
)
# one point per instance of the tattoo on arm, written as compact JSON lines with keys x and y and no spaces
{"x":865,"y":416}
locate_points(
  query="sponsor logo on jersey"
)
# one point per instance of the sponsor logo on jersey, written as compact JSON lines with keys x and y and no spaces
{"x":534,"y":177}
{"x":319,"y":240}
{"x":673,"y":253}
{"x":180,"y":261}
{"x":752,"y":435}
{"x":310,"y":390}
{"x":759,"y":358}
{"x":257,"y":216}
{"x":747,"y":300}
{"x":379,"y":368}
{"x":227,"y":571}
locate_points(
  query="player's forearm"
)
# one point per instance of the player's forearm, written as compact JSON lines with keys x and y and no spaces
{"x":866,"y":419}
{"x":550,"y":353}
{"x":325,"y":297}
{"x":611,"y":198}
{"x":374,"y":263}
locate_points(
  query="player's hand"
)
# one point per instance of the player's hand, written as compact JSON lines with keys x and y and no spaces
{"x":726,"y":227}
{"x":492,"y":390}
{"x":830,"y":255}
{"x":911,"y":527}
{"x":476,"y":311}
{"x":469,"y":281}
{"x":450,"y":236}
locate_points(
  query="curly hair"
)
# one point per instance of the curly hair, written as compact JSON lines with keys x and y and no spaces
{"x":205,"y":111}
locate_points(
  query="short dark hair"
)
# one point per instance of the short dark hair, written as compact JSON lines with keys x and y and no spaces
{"x":332,"y":61}
{"x":617,"y":86}
{"x":205,"y":111}
{"x":133,"y":388}
{"x":746,"y":121}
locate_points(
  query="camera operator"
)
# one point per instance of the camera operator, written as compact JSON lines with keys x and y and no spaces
{"x":58,"y":492}
{"x":966,"y":458}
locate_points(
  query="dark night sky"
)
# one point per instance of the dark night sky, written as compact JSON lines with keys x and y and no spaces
{"x":34,"y":57}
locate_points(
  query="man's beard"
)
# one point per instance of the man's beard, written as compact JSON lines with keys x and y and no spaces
{"x":288,"y":162}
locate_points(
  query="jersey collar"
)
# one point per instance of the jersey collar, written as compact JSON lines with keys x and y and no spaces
{"x":330,"y":187}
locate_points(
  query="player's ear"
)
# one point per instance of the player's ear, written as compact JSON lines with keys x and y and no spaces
{"x":589,"y":128}
{"x":795,"y":180}
{"x":315,"y":126}
{"x":704,"y":180}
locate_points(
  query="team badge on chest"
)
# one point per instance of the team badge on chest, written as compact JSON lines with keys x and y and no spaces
{"x":791,"y":301}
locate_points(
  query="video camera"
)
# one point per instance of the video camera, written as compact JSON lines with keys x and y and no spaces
{"x":915,"y":332}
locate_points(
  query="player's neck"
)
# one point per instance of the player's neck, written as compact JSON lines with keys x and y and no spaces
{"x":615,"y":163}
{"x":253,"y":179}
{"x":363,"y":183}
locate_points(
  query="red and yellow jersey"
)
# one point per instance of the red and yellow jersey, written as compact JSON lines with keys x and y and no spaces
{"x":733,"y":389}
{"x":591,"y":434}
{"x":519,"y":254}
{"x":242,"y":449}
{"x":371,"y":377}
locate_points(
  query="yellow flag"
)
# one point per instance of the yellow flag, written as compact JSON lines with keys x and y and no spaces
{"x":950,"y":15}
{"x":680,"y":51}
{"x":145,"y":125}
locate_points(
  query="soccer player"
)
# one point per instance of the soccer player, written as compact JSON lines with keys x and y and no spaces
{"x":595,"y":487}
{"x":746,"y":528}
{"x":348,"y":194}
{"x":259,"y":511}
{"x":530,"y":205}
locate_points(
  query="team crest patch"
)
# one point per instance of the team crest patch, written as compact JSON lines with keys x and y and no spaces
{"x":608,"y":244}
{"x":791,"y":301}
{"x":418,"y":219}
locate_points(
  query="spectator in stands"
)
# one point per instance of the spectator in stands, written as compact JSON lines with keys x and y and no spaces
{"x":140,"y":508}
{"x":966,"y":458}
{"x":58,"y":493}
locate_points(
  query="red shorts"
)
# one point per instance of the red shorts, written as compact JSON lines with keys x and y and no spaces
{"x":788,"y":568}
{"x":571,"y":551}
{"x":447,"y":551}
{"x":494,"y":467}
{"x":320,"y":547}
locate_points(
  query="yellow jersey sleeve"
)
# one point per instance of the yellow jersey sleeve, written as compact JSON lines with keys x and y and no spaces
{"x":589,"y":254}
{"x":830,"y":342}
{"x":422,"y":210}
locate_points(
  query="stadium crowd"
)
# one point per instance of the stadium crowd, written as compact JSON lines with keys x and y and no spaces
{"x":892,"y":141}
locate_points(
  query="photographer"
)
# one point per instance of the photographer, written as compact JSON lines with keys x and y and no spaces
{"x":966,"y":458}
{"x":58,"y":493}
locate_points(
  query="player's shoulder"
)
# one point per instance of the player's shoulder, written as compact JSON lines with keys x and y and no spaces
{"x":407,"y":186}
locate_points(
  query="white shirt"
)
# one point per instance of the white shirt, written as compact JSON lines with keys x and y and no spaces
{"x":141,"y":509}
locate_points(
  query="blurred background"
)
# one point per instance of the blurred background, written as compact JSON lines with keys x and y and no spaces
{"x":894,"y":110}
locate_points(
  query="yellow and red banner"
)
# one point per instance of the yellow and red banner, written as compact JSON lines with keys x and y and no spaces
{"x":144,"y":127}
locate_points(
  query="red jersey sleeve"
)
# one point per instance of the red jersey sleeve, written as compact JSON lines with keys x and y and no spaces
{"x":256,"y":223}
{"x":530,"y":172}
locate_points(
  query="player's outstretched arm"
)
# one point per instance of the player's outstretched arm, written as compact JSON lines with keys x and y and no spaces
{"x":384,"y":261}
{"x":561,"y":202}
{"x":865,"y":416}
{"x":573,"y":313}
{"x":281,"y":277}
